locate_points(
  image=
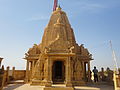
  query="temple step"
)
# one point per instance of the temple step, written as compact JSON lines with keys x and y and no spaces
{"x":58,"y":83}
{"x":17,"y":82}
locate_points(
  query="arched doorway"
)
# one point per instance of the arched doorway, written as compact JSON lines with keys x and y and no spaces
{"x":58,"y":72}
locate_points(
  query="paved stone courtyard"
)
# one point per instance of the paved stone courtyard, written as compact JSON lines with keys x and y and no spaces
{"x":28,"y":87}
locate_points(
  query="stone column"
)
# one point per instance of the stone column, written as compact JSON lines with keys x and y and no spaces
{"x":85,"y":75}
{"x":68,"y":73}
{"x":89,"y":72}
{"x":119,"y":71}
{"x":3,"y":71}
{"x":0,"y":61}
{"x":13,"y":72}
{"x":49,"y":73}
{"x":3,"y":78}
{"x":27,"y":72}
{"x":8,"y":68}
{"x":30,"y":77}
{"x":83,"y":66}
{"x":33,"y":64}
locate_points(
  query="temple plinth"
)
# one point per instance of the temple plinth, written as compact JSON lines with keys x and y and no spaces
{"x":58,"y":59}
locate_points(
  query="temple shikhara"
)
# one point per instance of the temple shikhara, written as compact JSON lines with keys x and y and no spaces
{"x":58,"y":59}
{"x":58,"y":62}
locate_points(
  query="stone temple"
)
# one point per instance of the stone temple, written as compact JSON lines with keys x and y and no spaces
{"x":58,"y":59}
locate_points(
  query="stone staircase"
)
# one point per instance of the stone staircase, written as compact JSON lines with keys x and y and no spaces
{"x":17,"y":82}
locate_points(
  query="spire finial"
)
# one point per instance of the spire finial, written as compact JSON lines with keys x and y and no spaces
{"x":59,"y":6}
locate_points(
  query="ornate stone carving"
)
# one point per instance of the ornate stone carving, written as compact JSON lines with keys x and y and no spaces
{"x":58,"y":44}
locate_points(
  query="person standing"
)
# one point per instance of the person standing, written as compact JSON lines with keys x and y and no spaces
{"x":95,"y":71}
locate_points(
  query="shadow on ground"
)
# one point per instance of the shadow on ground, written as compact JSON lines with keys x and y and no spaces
{"x":12,"y":86}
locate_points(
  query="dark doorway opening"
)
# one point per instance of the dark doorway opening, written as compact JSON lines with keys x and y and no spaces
{"x":58,"y":72}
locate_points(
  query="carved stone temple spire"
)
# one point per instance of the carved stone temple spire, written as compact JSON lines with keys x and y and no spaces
{"x":58,"y":26}
{"x":58,"y":58}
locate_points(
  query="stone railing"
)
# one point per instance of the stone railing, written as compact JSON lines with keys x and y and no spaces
{"x":16,"y":74}
{"x":6,"y":76}
{"x":2,"y":77}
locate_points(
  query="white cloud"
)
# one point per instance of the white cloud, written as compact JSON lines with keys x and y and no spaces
{"x":38,"y":18}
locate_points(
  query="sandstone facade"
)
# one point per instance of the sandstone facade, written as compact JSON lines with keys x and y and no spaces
{"x":58,"y":58}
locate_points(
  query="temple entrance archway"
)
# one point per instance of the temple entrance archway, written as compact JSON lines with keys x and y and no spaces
{"x":58,"y":72}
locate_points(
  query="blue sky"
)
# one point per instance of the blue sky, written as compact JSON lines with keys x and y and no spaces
{"x":95,"y":23}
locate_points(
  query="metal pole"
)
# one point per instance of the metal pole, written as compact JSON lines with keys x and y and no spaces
{"x":114,"y":57}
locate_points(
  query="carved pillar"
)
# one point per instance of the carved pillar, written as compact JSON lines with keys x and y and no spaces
{"x":33,"y":63}
{"x":49,"y":73}
{"x":27,"y":72}
{"x":50,"y":69}
{"x":83,"y":69}
{"x":30,"y":71}
{"x":89,"y":72}
{"x":85,"y":74}
{"x":68,"y":73}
